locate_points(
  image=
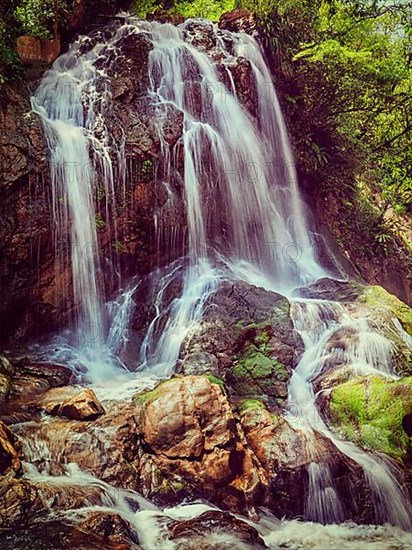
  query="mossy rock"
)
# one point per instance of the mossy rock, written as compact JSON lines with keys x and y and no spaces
{"x":376,"y":296}
{"x":148,"y":396}
{"x":251,"y":404}
{"x":256,"y":374}
{"x":369,"y":411}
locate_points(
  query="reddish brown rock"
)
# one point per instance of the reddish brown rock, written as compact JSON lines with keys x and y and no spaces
{"x":19,"y":502}
{"x":83,"y":405}
{"x":194,"y":442}
{"x":9,"y":457}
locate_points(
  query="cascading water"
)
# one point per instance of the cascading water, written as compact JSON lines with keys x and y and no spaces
{"x":245,"y":220}
{"x":72,"y":100}
{"x":368,"y":353}
{"x":255,"y":227}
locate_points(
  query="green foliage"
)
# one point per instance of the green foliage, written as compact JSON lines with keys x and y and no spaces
{"x":35,"y":17}
{"x":142,"y":8}
{"x":369,"y":411}
{"x":208,"y":9}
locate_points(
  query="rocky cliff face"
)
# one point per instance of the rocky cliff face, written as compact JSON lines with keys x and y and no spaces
{"x":33,"y":292}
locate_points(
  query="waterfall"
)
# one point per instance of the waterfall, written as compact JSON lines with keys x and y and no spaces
{"x":243,"y":205}
{"x":244,"y":218}
{"x":243,"y":208}
{"x":72,"y":100}
{"x":368,"y":352}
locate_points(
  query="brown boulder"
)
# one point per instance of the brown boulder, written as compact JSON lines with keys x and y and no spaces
{"x":288,"y":455}
{"x":193,"y":440}
{"x":19,"y":502}
{"x":68,"y":402}
{"x":111,"y":527}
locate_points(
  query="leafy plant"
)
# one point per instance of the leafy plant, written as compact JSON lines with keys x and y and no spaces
{"x":209,"y":9}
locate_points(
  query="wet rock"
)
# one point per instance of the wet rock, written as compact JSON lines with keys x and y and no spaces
{"x":205,"y":532}
{"x":288,"y":454}
{"x":39,"y":535}
{"x":107,"y":446}
{"x":111,"y":527}
{"x":378,"y":297}
{"x":246,"y":338}
{"x":330,"y":379}
{"x":30,"y":380}
{"x":19,"y":502}
{"x":83,"y":405}
{"x":369,"y":411}
{"x":331,"y":289}
{"x":6,"y":371}
{"x":193,"y":442}
{"x":9,"y":456}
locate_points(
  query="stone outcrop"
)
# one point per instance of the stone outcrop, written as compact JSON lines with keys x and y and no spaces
{"x":194,"y":443}
{"x":287,"y":453}
{"x":246,"y":337}
{"x":10,"y":464}
{"x":19,"y":503}
{"x":76,"y":405}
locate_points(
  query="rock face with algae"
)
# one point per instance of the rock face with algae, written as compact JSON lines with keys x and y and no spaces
{"x":369,"y":411}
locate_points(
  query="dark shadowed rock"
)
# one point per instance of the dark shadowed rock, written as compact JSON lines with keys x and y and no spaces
{"x":247,"y":338}
{"x":199,"y":532}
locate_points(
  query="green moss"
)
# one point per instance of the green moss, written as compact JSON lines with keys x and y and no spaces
{"x":99,"y":221}
{"x":254,"y":364}
{"x":251,"y":404}
{"x":215,"y":380}
{"x":255,"y":373}
{"x":376,"y":296}
{"x":369,"y":411}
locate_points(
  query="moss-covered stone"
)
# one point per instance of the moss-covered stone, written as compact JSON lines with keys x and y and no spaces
{"x":376,"y":296}
{"x":255,"y":373}
{"x":369,"y":411}
{"x":251,"y":404}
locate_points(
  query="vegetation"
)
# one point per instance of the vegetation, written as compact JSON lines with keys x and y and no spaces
{"x":345,"y":69}
{"x":376,"y":296}
{"x":208,"y":9}
{"x":369,"y":411}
